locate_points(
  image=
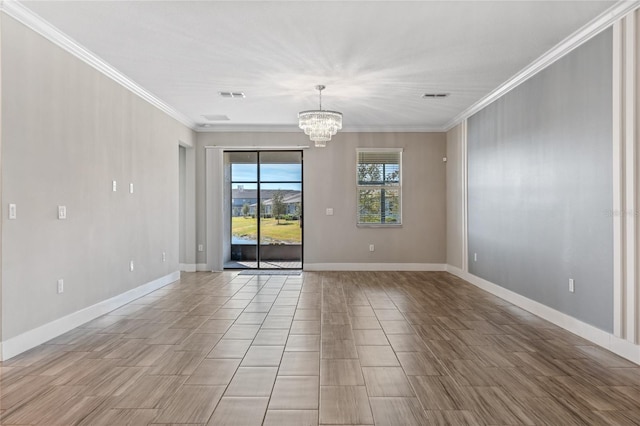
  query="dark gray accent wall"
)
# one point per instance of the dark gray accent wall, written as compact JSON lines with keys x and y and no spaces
{"x":540,"y":186}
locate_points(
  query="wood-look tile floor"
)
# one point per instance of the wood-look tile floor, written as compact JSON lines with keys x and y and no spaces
{"x":391,"y":348}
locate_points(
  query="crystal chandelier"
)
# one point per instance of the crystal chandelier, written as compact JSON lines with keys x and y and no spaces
{"x":319,"y":124}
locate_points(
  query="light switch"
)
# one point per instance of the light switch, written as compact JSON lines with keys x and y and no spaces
{"x":62,"y":212}
{"x":329,"y":211}
{"x":130,"y":188}
{"x":13,"y":211}
{"x":114,"y":186}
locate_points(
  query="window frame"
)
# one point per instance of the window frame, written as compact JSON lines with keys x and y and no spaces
{"x":397,"y":187}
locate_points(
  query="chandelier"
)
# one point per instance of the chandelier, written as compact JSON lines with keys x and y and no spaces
{"x":319,"y":124}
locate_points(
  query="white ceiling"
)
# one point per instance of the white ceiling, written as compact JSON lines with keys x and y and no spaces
{"x":376,"y":58}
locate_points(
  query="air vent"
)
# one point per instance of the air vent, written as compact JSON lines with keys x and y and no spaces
{"x":216,"y":117}
{"x":435,"y":95}
{"x":232,"y":94}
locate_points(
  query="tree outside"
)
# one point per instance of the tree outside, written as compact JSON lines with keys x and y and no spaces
{"x":369,"y":205}
{"x":278,"y":207}
{"x":245,"y":210}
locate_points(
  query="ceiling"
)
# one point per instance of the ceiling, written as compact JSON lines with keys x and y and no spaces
{"x":377,"y":59}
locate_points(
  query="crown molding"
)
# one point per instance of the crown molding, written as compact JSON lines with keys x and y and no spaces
{"x":283,"y":128}
{"x":25,"y":16}
{"x":257,"y":147}
{"x":262,"y":128}
{"x":579,"y":37}
{"x":393,"y":129}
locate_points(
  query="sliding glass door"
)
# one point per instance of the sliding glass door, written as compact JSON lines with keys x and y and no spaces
{"x":265,"y":215}
{"x":242,"y":169}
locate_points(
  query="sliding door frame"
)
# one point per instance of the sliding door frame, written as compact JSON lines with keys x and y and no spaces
{"x":258,"y":183}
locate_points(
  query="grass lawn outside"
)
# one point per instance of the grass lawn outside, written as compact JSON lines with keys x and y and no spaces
{"x":288,"y":232}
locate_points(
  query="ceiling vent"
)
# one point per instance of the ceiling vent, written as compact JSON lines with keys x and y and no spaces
{"x":435,"y":95}
{"x":232,"y":94}
{"x":216,"y":117}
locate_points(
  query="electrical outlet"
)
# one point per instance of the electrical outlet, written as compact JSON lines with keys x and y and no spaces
{"x":475,"y":257}
{"x":114,"y":186}
{"x":372,"y":247}
{"x":572,"y":286}
{"x":13,"y":211}
{"x":164,"y":256}
{"x":60,"y":286}
{"x":200,"y":247}
{"x":131,"y":266}
{"x":62,"y":212}
{"x":329,"y":211}
{"x":130,"y":188}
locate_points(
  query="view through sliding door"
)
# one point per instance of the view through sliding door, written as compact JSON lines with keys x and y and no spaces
{"x":265,"y":215}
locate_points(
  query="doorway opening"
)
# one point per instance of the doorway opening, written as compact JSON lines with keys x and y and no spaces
{"x":263,"y":205}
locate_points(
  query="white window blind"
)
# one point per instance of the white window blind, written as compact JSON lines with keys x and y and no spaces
{"x":379,"y":186}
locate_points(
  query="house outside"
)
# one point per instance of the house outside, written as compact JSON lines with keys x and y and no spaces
{"x":241,"y":197}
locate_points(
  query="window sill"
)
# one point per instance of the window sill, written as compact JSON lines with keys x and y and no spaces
{"x":379,"y":225}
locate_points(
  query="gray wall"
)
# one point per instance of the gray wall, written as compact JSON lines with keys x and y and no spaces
{"x":540,"y":186}
{"x":67,"y":132}
{"x":2,"y":204}
{"x":455,"y":198}
{"x":329,"y":181}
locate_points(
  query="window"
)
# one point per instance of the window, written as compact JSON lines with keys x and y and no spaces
{"x":379,"y":183}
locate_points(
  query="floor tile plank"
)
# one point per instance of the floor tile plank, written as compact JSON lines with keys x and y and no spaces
{"x":233,"y":411}
{"x":291,"y":418}
{"x":300,"y":364}
{"x":252,"y":381}
{"x":345,"y":405}
{"x":191,"y":404}
{"x":386,"y":381}
{"x":397,"y":411}
{"x":295,"y":393}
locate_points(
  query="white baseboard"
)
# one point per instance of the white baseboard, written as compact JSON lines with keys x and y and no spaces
{"x":187,"y":267}
{"x":374,"y":267}
{"x":602,"y":338}
{"x":202,"y":267}
{"x":32,"y":338}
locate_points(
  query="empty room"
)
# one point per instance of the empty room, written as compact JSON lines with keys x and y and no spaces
{"x":319,"y":212}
